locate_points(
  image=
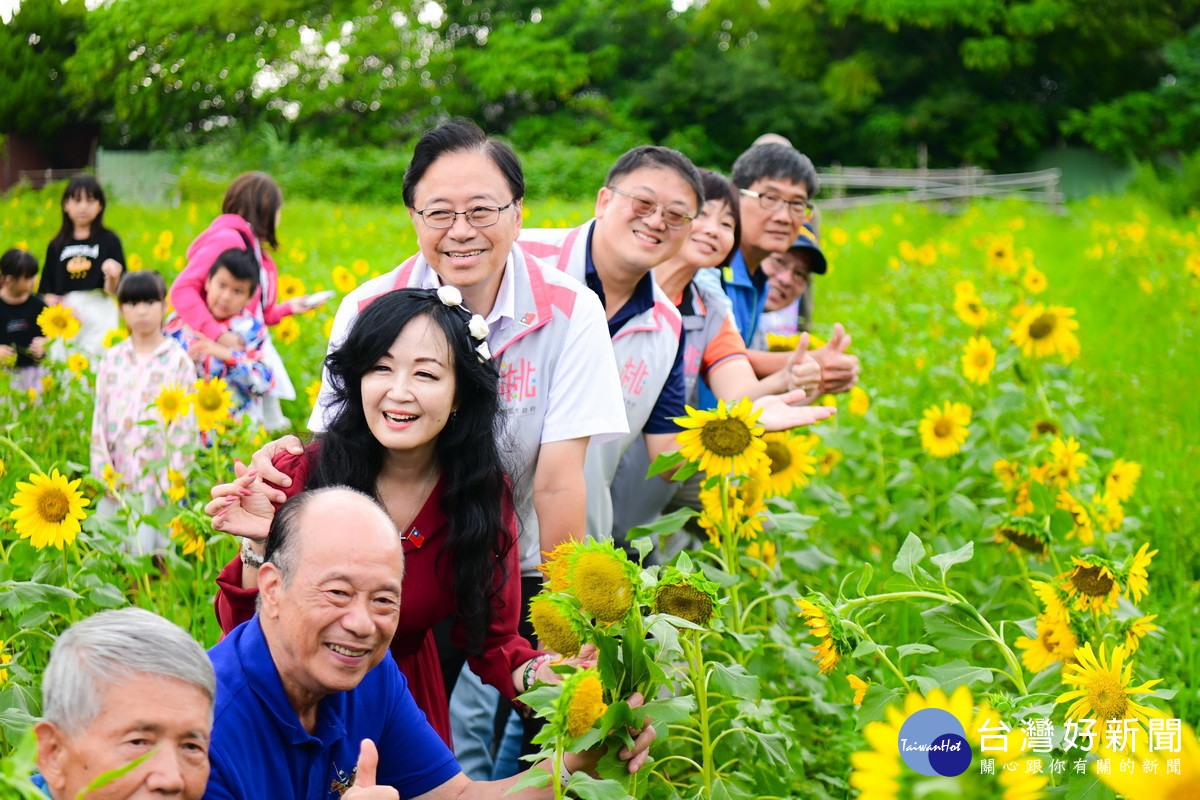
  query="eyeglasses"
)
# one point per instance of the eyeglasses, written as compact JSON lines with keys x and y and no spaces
{"x":477,"y":217}
{"x":799,"y":209}
{"x":645,"y":207}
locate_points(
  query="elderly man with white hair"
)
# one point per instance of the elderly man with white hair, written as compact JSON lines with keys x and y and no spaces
{"x":123,"y":685}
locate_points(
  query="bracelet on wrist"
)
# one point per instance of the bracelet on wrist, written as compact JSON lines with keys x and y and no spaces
{"x":531,"y":668}
{"x":248,"y":556}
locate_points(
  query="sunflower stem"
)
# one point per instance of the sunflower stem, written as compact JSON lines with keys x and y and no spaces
{"x":29,"y":460}
{"x":862,"y":633}
{"x":699,"y":679}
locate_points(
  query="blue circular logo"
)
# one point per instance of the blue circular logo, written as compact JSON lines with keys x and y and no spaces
{"x":932,"y":742}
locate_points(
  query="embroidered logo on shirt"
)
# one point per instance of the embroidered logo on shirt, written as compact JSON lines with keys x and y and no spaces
{"x":528,"y":318}
{"x":342,"y":783}
{"x":633,"y":376}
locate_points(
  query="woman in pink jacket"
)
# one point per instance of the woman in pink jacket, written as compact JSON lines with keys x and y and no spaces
{"x":249,"y":216}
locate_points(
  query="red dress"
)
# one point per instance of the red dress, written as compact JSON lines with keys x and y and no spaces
{"x":426,"y":598}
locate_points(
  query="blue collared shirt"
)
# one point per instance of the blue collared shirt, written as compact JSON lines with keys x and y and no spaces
{"x":672,"y":399}
{"x":260,"y":749}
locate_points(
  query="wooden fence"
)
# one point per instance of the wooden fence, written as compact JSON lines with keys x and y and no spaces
{"x":850,"y":187}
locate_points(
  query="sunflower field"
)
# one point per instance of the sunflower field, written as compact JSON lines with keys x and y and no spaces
{"x":996,"y":528}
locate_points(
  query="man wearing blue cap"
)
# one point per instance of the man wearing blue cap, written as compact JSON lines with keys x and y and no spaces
{"x":788,"y":308}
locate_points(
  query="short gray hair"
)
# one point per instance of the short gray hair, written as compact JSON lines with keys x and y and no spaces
{"x":109,"y":648}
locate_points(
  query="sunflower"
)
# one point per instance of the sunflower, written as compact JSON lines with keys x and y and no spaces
{"x":1022,"y":502}
{"x":1134,"y":630}
{"x":1091,"y":584}
{"x":1135,"y":577}
{"x":1153,"y":778}
{"x":1044,"y":427}
{"x":1045,"y":330}
{"x":556,"y":566}
{"x":1065,"y":462}
{"x":1001,"y":255}
{"x":288,"y":330}
{"x":581,"y":703}
{"x":360,"y":267}
{"x":112,"y":479}
{"x":823,"y":623}
{"x":113,"y":336}
{"x":790,"y":463}
{"x":879,"y":772}
{"x":860,"y":402}
{"x":689,"y":596}
{"x":289,"y":287}
{"x":743,"y":512}
{"x":944,"y":430}
{"x":860,"y":688}
{"x":176,"y":485}
{"x":1007,"y":472}
{"x":189,"y":530}
{"x":1108,"y":511}
{"x":172,"y":402}
{"x":829,"y":459}
{"x":343,"y":279}
{"x":602,"y":579}
{"x":58,"y":322}
{"x":978,"y":360}
{"x":211,"y":399}
{"x":47,"y":510}
{"x":1104,"y":690}
{"x":723,"y":441}
{"x":1055,"y":642}
{"x":1053,"y":602}
{"x":1192,"y":264}
{"x":970,"y":309}
{"x":781,"y":343}
{"x":763,"y":551}
{"x":5,"y":660}
{"x":557,"y":623}
{"x":1081,"y":520}
{"x":1034,"y":280}
{"x":77,"y":363}
{"x":964,"y":289}
{"x":1121,"y":479}
{"x":1023,"y":536}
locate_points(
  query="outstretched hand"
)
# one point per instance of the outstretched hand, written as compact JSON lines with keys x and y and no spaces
{"x":779,"y":415}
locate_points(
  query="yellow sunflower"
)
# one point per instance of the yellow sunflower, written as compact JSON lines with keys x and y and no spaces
{"x":1104,"y":690}
{"x":1152,"y":777}
{"x":860,"y":402}
{"x":360,"y":267}
{"x":823,"y":623}
{"x":602,"y":579}
{"x":1091,"y":584}
{"x":1007,"y":472}
{"x":688,"y":596}
{"x":742,"y":514}
{"x":830,"y":459}
{"x":781,"y":343}
{"x":1134,"y":630}
{"x":1044,"y":330}
{"x":113,"y":336}
{"x":557,"y":623}
{"x":172,"y":402}
{"x":970,"y":309}
{"x":112,"y":479}
{"x":288,"y":330}
{"x":964,"y":289}
{"x":58,"y":322}
{"x":290,"y":286}
{"x":1053,"y":602}
{"x":581,"y":702}
{"x":723,"y":441}
{"x":1023,"y":536}
{"x":5,"y":660}
{"x":1081,"y":520}
{"x":764,"y":551}
{"x":47,"y":510}
{"x":176,"y":485}
{"x":1121,"y":479}
{"x":1034,"y":281}
{"x":1192,"y":264}
{"x":211,"y":400}
{"x":1136,"y":578}
{"x":1055,"y":642}
{"x":860,"y":688}
{"x":555,"y":567}
{"x":1044,"y":427}
{"x":790,"y":463}
{"x":1108,"y":511}
{"x":77,"y":363}
{"x":190,"y":535}
{"x":944,"y":430}
{"x":1065,"y":462}
{"x":879,"y":772}
{"x":1022,"y":501}
{"x":343,"y":279}
{"x":1001,"y":254}
{"x":978,"y":360}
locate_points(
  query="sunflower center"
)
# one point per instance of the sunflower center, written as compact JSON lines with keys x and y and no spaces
{"x":981,"y":358}
{"x":1107,"y":696}
{"x":725,"y":437}
{"x":943,"y":428}
{"x":209,"y":401}
{"x":1043,"y":326}
{"x":1092,"y":581}
{"x":1043,"y":426}
{"x":53,"y":506}
{"x":1023,"y":540}
{"x":781,"y":457}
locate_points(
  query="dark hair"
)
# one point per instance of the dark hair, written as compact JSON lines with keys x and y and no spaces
{"x":80,"y":185}
{"x":280,"y":548}
{"x":719,"y":188}
{"x":143,"y":286}
{"x":466,"y":451}
{"x":239,"y":263}
{"x":649,"y":155}
{"x":775,"y":161}
{"x":455,"y":136}
{"x":18,"y":264}
{"x":256,"y":198}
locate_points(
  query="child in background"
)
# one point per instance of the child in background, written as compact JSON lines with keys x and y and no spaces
{"x":21,"y":343}
{"x":84,"y":262}
{"x":231,"y":282}
{"x":128,"y":381}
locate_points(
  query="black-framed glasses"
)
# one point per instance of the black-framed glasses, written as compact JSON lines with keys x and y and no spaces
{"x":477,"y":217}
{"x":645,"y":207}
{"x":799,"y":209}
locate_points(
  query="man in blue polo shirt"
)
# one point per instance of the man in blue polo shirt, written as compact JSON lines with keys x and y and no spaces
{"x":310,"y":703}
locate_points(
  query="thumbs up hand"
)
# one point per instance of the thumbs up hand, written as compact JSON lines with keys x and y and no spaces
{"x":839,"y":370}
{"x":802,"y":370}
{"x":364,"y":787}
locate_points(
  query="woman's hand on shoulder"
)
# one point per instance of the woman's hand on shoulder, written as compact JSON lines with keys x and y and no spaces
{"x":263,"y":460}
{"x":242,"y":507}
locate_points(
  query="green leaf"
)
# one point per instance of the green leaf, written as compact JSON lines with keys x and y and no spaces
{"x":949,"y":677}
{"x":875,"y":704}
{"x":952,"y":629}
{"x":589,"y":788}
{"x":864,"y":581}
{"x":962,"y":509}
{"x":668,"y":524}
{"x":915,"y":649}
{"x":534,"y":778}
{"x":105,"y":778}
{"x":664,"y":462}
{"x":912,"y":552}
{"x":944,"y":561}
{"x":669,"y":710}
{"x":107,"y":596}
{"x":733,"y":681}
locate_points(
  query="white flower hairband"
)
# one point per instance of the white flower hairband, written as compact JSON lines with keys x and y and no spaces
{"x":477,"y":325}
